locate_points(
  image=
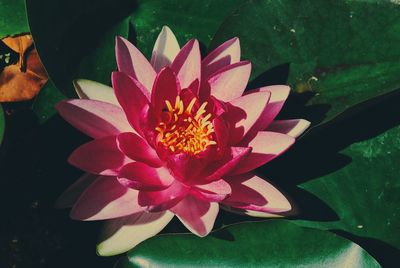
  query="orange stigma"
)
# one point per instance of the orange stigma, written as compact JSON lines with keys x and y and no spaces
{"x":185,"y":131}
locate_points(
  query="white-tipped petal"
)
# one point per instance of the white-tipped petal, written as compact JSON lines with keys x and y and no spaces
{"x":87,"y":89}
{"x":165,"y":49}
{"x":122,"y":234}
{"x":292,"y":127}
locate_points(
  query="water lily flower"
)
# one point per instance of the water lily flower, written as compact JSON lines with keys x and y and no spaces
{"x":174,"y":136}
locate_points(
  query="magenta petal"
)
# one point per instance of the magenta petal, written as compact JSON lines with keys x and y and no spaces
{"x":279,"y":94}
{"x":266,"y":146}
{"x":187,"y":64}
{"x":215,"y":191}
{"x":100,"y":156}
{"x":143,"y":177}
{"x":166,"y":87}
{"x":244,"y":112}
{"x":250,"y":192}
{"x":197,"y":215}
{"x":138,"y":149}
{"x":229,"y":82}
{"x":224,"y":55}
{"x":131,"y":98}
{"x":71,"y":195}
{"x":132,"y":62}
{"x":292,"y":127}
{"x":164,"y":199}
{"x":106,"y":198}
{"x":234,"y":156}
{"x":94,"y":118}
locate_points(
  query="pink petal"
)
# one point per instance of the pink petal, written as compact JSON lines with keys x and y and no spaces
{"x":250,"y":192}
{"x":279,"y":94}
{"x":215,"y":191}
{"x":71,"y":195}
{"x":132,"y":62}
{"x":224,"y":55}
{"x":138,"y":149}
{"x":165,"y":49}
{"x":94,"y":118}
{"x":187,"y":64}
{"x":131,"y":98}
{"x":266,"y":146}
{"x":166,"y":87}
{"x":106,"y":198}
{"x":143,"y":177}
{"x":229,"y":82}
{"x":197,"y":215}
{"x":156,"y":201}
{"x":122,"y":234}
{"x":99,"y":157}
{"x":217,"y":169}
{"x":243,"y":112}
{"x":221,"y":131}
{"x":185,"y":167}
{"x":292,"y":127}
{"x":87,"y":89}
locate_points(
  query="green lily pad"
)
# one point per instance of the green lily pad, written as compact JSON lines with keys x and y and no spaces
{"x":76,"y":39}
{"x":43,"y":106}
{"x":187,"y":19}
{"x":340,"y":52}
{"x":12,"y":17}
{"x":275,"y":243}
{"x":365,"y":193}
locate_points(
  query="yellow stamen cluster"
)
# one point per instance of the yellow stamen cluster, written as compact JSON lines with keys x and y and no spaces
{"x":184,"y":131}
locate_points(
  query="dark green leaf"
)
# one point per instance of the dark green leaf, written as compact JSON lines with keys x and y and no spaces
{"x":275,"y":243}
{"x":44,"y":103}
{"x":12,"y":17}
{"x":365,"y":194}
{"x":187,"y":19}
{"x":75,"y":39}
{"x":341,"y":52}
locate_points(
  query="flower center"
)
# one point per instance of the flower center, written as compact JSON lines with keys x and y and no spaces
{"x":182,"y":130}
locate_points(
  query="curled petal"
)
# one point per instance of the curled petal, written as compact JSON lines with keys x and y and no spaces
{"x":166,"y":87}
{"x":197,"y":215}
{"x":266,"y":146}
{"x":136,"y":148}
{"x":106,"y":198}
{"x":244,"y":112}
{"x":143,"y":177}
{"x":132,"y":100}
{"x":292,"y":127}
{"x":71,"y":195}
{"x":165,"y":49}
{"x":100,"y":156}
{"x":187,"y":64}
{"x":122,"y":234}
{"x":132,"y":62}
{"x":156,"y":201}
{"x":215,"y":191}
{"x":217,"y":169}
{"x":224,"y":55}
{"x":94,"y":118}
{"x":250,"y":192}
{"x":87,"y":89}
{"x":279,"y":94}
{"x":229,"y":82}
